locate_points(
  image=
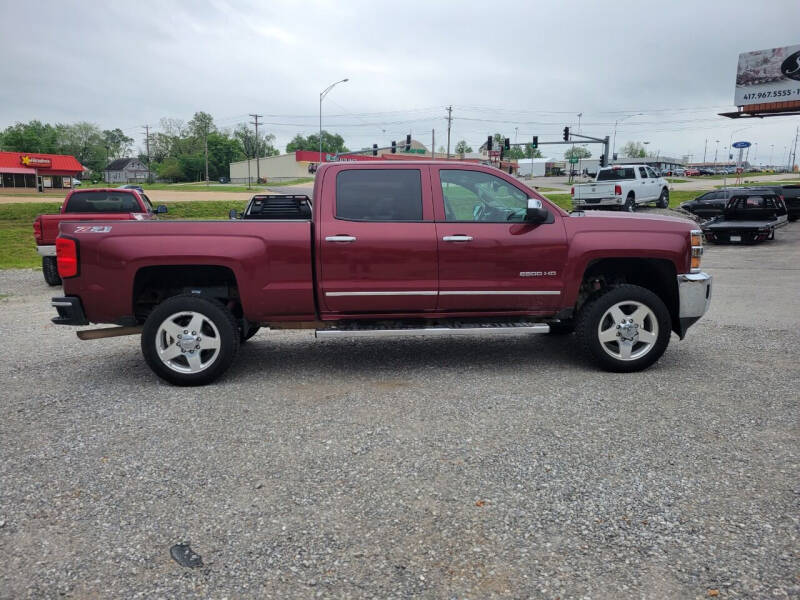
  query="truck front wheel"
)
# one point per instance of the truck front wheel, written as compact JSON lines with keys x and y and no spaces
{"x":50,"y":270}
{"x":190,"y":340}
{"x":625,"y":329}
{"x":663,"y":199}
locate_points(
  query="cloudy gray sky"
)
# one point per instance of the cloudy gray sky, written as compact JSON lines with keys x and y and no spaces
{"x":520,"y":68}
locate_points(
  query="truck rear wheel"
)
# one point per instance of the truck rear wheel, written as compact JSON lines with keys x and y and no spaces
{"x":190,"y":340}
{"x":625,"y":329}
{"x":50,"y":270}
{"x":630,"y":203}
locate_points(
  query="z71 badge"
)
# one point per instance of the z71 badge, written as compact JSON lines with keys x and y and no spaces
{"x":93,"y":229}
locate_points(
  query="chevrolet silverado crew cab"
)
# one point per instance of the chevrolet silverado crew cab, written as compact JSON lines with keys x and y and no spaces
{"x":623,"y":187}
{"x":391,"y":249}
{"x":88,"y":205}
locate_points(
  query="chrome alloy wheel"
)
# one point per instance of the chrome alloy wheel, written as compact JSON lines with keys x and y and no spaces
{"x":628,"y":330}
{"x":187,"y":342}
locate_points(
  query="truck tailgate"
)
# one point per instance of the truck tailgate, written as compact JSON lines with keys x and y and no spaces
{"x":584,"y":191}
{"x":50,"y":223}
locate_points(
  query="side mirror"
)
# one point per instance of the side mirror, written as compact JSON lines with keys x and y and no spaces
{"x":161,"y":209}
{"x":536,"y":212}
{"x":233,"y":214}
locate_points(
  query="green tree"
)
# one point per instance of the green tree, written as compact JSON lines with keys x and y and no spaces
{"x":201,"y":124}
{"x":463,"y":148}
{"x":531,"y":152}
{"x":634,"y":150}
{"x":116,"y":143}
{"x":84,"y":141}
{"x":171,"y":169}
{"x":331,"y":143}
{"x":577,"y":152}
{"x":33,"y":136}
{"x":263,"y":145}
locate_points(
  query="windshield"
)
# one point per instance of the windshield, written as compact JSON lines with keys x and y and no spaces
{"x":616,"y":174}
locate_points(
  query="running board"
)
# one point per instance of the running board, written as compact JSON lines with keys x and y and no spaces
{"x":456,"y":329}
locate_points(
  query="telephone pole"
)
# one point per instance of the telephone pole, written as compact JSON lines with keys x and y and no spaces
{"x":433,"y":144}
{"x":449,"y":121}
{"x":704,"y":150}
{"x":258,"y":167}
{"x":794,"y":153}
{"x":147,"y":145}
{"x":205,"y":143}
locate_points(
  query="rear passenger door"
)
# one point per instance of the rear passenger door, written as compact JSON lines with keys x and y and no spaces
{"x":377,"y":241}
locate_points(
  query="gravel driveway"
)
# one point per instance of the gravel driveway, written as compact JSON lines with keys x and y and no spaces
{"x":433,"y":468}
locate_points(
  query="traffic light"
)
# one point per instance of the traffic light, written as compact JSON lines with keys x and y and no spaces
{"x":535,"y":143}
{"x":603,"y":160}
{"x":489,"y":143}
{"x":507,"y":144}
{"x":566,"y":134}
{"x":374,"y":149}
{"x":408,"y":143}
{"x":394,"y":147}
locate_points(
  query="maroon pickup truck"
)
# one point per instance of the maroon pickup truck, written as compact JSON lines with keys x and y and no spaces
{"x":88,"y":205}
{"x":391,"y":249}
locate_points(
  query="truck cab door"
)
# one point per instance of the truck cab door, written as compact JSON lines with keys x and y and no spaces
{"x":376,"y":240}
{"x":490,"y":258}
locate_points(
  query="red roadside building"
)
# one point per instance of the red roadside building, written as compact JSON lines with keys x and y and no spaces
{"x":34,"y":172}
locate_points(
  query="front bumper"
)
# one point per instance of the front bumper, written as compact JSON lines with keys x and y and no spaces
{"x":694,"y":298}
{"x":70,"y":311}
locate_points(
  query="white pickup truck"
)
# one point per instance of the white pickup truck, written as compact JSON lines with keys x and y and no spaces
{"x":622,"y":186}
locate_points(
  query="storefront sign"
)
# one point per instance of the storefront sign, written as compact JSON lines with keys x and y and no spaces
{"x":35,"y":161}
{"x":768,"y":76}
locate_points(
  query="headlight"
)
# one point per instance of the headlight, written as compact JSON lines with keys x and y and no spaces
{"x":697,"y":250}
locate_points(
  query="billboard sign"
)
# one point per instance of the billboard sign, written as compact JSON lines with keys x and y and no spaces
{"x":768,"y":76}
{"x":741,"y":144}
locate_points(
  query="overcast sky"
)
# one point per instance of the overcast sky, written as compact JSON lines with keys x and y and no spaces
{"x":520,"y":68}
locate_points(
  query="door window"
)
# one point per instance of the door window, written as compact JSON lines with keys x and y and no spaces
{"x":651,"y":173}
{"x":379,"y":195}
{"x":642,"y":173}
{"x":477,"y":196}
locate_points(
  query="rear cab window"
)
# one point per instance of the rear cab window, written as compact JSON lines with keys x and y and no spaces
{"x":379,"y":195}
{"x":616,"y":174}
{"x":102,"y":202}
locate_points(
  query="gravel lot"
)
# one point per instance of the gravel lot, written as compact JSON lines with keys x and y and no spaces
{"x":436,"y":468}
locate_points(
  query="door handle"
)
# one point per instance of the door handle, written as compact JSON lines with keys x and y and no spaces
{"x":457,"y":238}
{"x":340,"y":238}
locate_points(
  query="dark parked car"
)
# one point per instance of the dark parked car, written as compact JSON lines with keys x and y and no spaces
{"x":791,"y":197}
{"x":748,"y":217}
{"x":706,"y":171}
{"x":131,"y":186}
{"x":224,"y":179}
{"x":712,"y":204}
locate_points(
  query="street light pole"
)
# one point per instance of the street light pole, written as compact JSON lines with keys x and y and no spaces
{"x":617,"y":122}
{"x":322,"y":95}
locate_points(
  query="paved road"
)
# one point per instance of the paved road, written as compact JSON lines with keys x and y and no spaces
{"x":433,"y":468}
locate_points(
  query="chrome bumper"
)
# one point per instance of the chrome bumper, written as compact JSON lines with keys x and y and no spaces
{"x":46,"y":250}
{"x":694,"y":298}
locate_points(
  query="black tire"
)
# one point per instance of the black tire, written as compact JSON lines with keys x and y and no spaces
{"x":50,"y":270}
{"x":630,"y":203}
{"x":562,"y":328}
{"x":663,"y":199}
{"x":218,"y":316}
{"x":592,"y":314}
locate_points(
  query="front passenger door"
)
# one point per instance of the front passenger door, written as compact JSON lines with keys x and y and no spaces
{"x":490,"y":258}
